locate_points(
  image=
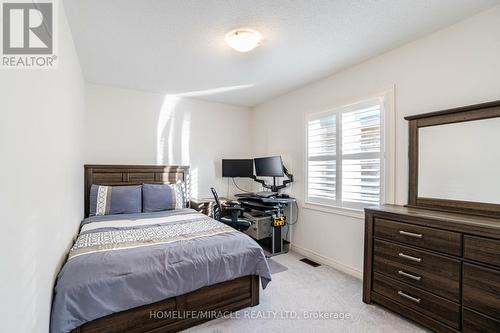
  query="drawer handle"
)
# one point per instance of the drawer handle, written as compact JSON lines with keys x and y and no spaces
{"x":411,"y":276}
{"x":405,"y":256}
{"x":411,"y":298}
{"x":410,"y":234}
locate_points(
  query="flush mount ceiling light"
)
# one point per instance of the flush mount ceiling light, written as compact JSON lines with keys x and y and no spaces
{"x":243,"y":40}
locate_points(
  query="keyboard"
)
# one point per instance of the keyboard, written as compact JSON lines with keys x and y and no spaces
{"x":243,"y":195}
{"x":266,"y":194}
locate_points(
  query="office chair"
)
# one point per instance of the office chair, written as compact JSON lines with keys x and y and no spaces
{"x":233,"y":220}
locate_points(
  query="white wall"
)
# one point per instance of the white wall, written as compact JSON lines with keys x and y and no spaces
{"x":41,"y":196}
{"x":133,"y":127}
{"x":457,"y":66}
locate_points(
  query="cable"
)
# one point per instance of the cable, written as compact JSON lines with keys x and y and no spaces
{"x":296,"y":219}
{"x":239,"y":188}
{"x":296,"y":215}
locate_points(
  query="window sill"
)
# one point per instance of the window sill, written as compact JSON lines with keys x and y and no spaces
{"x":355,"y":213}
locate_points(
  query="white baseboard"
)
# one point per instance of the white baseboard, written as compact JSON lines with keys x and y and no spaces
{"x":327,"y":261}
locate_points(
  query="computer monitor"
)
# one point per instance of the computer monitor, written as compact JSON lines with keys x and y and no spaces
{"x":237,"y":168}
{"x":269,"y":166}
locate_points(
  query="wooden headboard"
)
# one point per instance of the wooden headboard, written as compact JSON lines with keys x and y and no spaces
{"x":119,"y":175}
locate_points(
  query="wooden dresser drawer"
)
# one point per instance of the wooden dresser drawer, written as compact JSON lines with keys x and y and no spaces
{"x":424,"y":302}
{"x":434,"y":273}
{"x":473,"y":322}
{"x":482,"y":249}
{"x":481,"y":289}
{"x":429,"y":238}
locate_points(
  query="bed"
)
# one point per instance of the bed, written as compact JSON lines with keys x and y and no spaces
{"x":153,"y":272}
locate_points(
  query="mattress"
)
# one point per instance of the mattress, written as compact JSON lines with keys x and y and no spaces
{"x":119,"y":262}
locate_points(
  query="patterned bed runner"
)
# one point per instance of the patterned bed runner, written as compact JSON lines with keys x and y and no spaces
{"x":170,"y":230}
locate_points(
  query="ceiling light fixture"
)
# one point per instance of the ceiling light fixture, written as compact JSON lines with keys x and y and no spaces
{"x":243,"y":40}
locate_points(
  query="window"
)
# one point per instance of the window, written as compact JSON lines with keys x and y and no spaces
{"x":345,"y":156}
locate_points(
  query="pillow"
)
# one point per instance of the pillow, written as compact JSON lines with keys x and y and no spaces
{"x":110,"y":200}
{"x":158,"y":197}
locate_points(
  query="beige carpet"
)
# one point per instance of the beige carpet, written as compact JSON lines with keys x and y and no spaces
{"x":296,"y":297}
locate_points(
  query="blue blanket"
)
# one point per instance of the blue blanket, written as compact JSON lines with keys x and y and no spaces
{"x":121,"y":262}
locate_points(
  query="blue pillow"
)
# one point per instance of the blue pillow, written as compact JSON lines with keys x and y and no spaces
{"x":158,"y":197}
{"x":111,"y":200}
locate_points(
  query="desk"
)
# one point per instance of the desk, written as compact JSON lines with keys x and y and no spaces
{"x":270,"y":206}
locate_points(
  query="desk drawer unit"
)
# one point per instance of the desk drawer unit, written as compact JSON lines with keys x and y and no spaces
{"x":429,"y":304}
{"x":428,"y":238}
{"x":419,"y":268}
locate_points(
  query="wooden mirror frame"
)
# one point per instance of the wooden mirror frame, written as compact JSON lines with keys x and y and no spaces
{"x":456,"y":115}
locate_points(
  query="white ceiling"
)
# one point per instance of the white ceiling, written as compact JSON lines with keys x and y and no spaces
{"x":177,"y":46}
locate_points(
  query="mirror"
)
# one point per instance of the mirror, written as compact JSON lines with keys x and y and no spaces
{"x":454,"y":160}
{"x":460,"y":161}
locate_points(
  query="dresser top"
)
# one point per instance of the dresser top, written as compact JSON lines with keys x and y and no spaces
{"x":485,"y":226}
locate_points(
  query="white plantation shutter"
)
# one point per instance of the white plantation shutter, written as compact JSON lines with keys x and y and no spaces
{"x":321,"y":164}
{"x":361,"y":157}
{"x":344,"y":156}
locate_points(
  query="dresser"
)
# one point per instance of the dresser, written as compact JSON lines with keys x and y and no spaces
{"x":439,"y":269}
